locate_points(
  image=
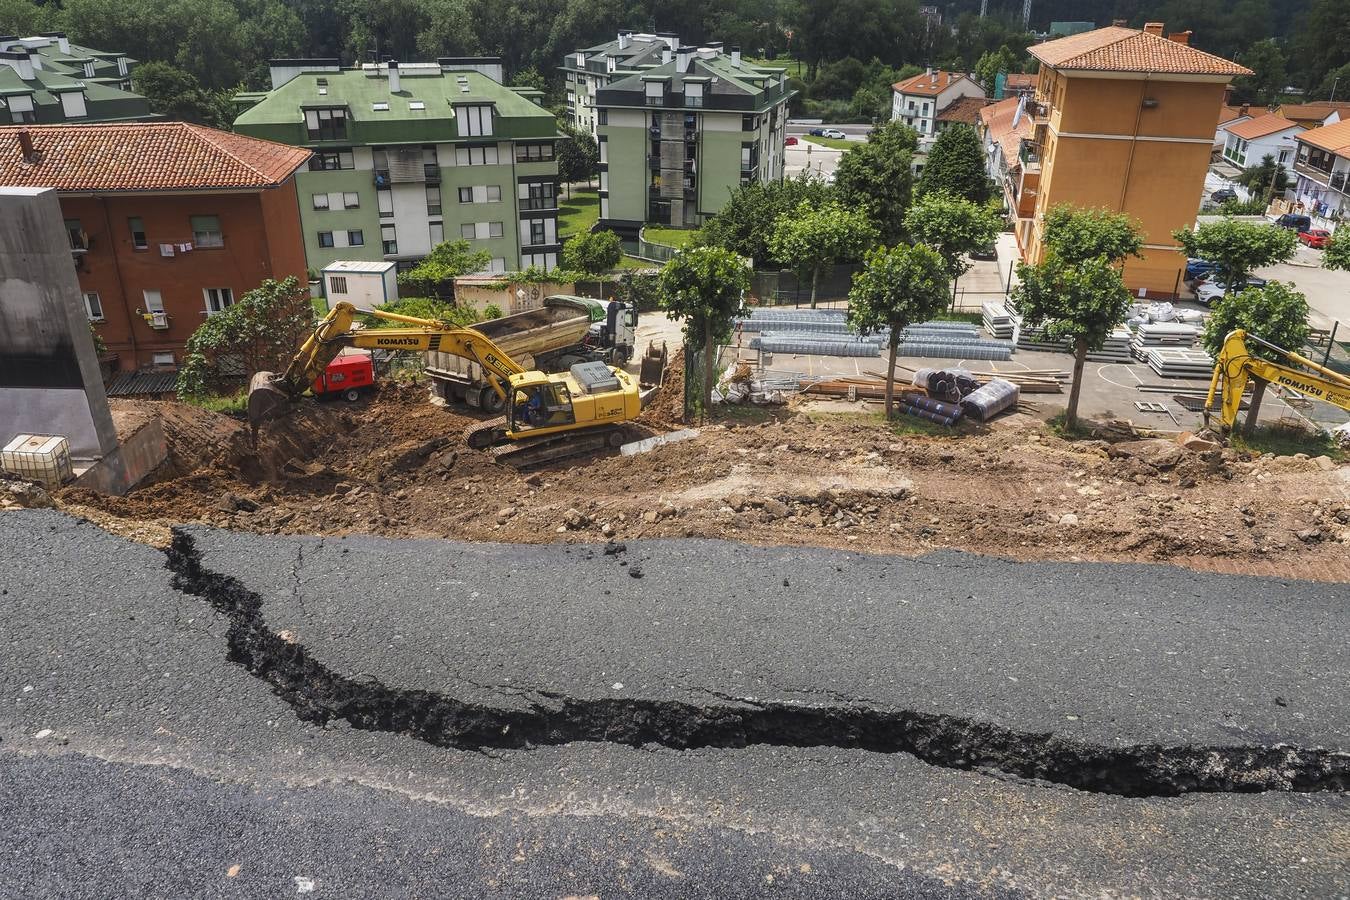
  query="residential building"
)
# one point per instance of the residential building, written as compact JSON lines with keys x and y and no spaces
{"x":1124,"y":120}
{"x":1231,"y":116}
{"x":1250,"y":142}
{"x":961,"y":111}
{"x":918,"y":101}
{"x":168,"y":223}
{"x":1005,"y":131}
{"x":1015,"y":84}
{"x":1315,"y":114}
{"x":407,"y":155}
{"x":588,"y":70}
{"x":48,"y":80}
{"x":1322,"y":167}
{"x":676,"y":139}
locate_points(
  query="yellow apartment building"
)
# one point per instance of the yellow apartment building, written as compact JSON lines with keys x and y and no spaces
{"x":1125,"y":120}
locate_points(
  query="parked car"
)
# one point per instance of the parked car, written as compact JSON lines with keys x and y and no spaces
{"x":1197,"y":268}
{"x":834,"y":133}
{"x":1212,"y":289}
{"x":1294,"y":221}
{"x":790,"y":142}
{"x":1223,"y":195}
{"x":817,"y":132}
{"x":1314,"y":237}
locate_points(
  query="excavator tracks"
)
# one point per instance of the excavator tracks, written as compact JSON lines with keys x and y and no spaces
{"x":534,"y":452}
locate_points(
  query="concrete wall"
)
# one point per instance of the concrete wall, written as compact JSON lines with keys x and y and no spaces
{"x":49,"y":375}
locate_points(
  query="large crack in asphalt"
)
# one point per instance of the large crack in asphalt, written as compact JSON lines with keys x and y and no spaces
{"x":320,"y":695}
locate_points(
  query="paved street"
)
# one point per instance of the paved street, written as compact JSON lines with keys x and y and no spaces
{"x":344,"y":712}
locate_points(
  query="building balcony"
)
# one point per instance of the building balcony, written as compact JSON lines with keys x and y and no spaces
{"x":1319,"y":175}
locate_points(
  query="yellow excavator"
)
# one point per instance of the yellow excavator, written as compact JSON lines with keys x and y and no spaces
{"x":548,"y":416}
{"x":1236,"y":366}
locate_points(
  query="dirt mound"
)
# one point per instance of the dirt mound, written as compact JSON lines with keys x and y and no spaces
{"x":665,"y":410}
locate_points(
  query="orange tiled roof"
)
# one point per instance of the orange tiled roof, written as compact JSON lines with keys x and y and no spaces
{"x":1313,"y":112}
{"x":1019,"y":81}
{"x":144,"y":156}
{"x":963,"y":109}
{"x":1332,"y":138}
{"x":1261,"y":126}
{"x":1115,"y":49}
{"x":1229,"y":113}
{"x":927,"y":85}
{"x":998,"y":119}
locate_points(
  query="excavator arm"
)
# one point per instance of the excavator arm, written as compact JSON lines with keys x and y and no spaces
{"x":270,"y":393}
{"x":1236,"y":366}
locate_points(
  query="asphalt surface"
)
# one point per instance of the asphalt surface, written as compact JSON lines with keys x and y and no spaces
{"x":137,"y":759}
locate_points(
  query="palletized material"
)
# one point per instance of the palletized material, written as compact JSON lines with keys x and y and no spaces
{"x":825,"y":346}
{"x":39,"y":457}
{"x":1175,"y":363}
{"x":998,"y":320}
{"x":991,"y":399}
{"x":976,"y":349}
{"x":1115,"y":349}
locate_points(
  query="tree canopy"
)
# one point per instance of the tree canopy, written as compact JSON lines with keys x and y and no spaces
{"x":955,"y":166}
{"x":876,"y":178}
{"x":811,"y":240}
{"x":592,"y":252}
{"x":577,"y":154}
{"x":953,"y":226}
{"x":703,"y":286}
{"x":1236,"y":247}
{"x":746,"y":223}
{"x":435,"y":275}
{"x":1076,"y":235}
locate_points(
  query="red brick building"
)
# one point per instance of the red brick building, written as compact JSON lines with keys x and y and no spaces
{"x":168,"y":222}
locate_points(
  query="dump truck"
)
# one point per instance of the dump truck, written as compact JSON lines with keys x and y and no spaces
{"x":563,"y":332}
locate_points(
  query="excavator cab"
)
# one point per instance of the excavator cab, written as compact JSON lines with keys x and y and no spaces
{"x":542,"y":404}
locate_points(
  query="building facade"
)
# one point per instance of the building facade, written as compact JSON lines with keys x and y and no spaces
{"x":1249,"y":143}
{"x":919,"y":101}
{"x":409,"y":155}
{"x":1004,"y":129}
{"x":1322,"y":167}
{"x":168,"y":223}
{"x":677,"y":138}
{"x":588,"y":70}
{"x":47,"y":80}
{"x":1124,"y":120}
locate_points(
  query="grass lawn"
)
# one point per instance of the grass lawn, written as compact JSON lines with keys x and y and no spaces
{"x":832,"y":143}
{"x":577,"y":213}
{"x":632,"y":262}
{"x":794,"y":67}
{"x":320,"y":305}
{"x":671,"y":237}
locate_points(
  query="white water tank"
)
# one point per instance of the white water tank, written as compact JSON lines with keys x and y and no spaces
{"x":38,"y":457}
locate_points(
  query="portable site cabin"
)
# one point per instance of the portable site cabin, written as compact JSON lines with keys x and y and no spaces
{"x":361,"y":283}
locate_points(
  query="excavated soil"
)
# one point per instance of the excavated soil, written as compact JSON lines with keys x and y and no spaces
{"x":396,"y":465}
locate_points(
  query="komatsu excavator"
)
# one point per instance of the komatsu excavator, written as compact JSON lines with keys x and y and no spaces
{"x":548,"y":416}
{"x":1236,"y":366}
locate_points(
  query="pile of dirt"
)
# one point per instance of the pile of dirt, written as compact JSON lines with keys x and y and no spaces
{"x":396,"y":465}
{"x":665,"y":409}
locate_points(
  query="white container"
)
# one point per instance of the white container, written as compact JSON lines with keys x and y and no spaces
{"x":38,"y":457}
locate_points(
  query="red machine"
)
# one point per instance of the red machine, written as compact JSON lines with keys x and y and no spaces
{"x":347,"y":376}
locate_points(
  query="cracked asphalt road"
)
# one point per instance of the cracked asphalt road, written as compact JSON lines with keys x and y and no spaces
{"x":126,"y":730}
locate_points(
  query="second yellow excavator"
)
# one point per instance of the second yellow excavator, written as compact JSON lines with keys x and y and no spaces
{"x":1236,"y":366}
{"x":548,"y":416}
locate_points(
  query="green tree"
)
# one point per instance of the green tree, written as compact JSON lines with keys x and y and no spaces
{"x":259,"y":333}
{"x":1274,"y":313}
{"x":1081,"y":301}
{"x":529,"y":77}
{"x":178,"y":95}
{"x":435,"y":275}
{"x":593,"y":252}
{"x":24,"y":17}
{"x":956,"y":165}
{"x":1264,"y":179}
{"x":703,"y":287}
{"x":1236,"y":247}
{"x":876,"y":178}
{"x":578,"y":155}
{"x":953,"y":226}
{"x":811,"y":240}
{"x":897,"y":287}
{"x":1004,"y":59}
{"x":1267,"y":62}
{"x":745,"y":224}
{"x":1076,"y":235}
{"x":640,"y":288}
{"x":422,"y":308}
{"x":1337,"y":252}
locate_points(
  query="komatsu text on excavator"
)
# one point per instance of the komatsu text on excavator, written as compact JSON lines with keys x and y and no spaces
{"x":547,"y":416}
{"x":1236,"y":366}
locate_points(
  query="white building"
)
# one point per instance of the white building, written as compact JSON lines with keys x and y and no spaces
{"x":917,"y":101}
{"x":1323,"y":170}
{"x":362,"y":283}
{"x":1250,"y":142}
{"x":588,"y":70}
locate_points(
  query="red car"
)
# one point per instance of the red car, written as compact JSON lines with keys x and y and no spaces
{"x":1314,"y":237}
{"x":790,"y":142}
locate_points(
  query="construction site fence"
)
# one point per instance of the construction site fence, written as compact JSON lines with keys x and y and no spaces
{"x":1330,"y":347}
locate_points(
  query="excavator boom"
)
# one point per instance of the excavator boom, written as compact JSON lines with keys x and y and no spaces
{"x":1236,"y":366}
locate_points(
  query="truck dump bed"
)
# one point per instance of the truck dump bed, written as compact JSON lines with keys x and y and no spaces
{"x":560,"y":322}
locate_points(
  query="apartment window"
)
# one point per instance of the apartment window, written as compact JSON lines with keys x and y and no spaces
{"x":72,"y":104}
{"x":476,"y":156}
{"x":385,"y":202}
{"x":602,"y":117}
{"x":534,"y":152}
{"x":537,"y":231}
{"x":325,"y":238}
{"x":93,"y":306}
{"x":494,"y":193}
{"x":351,"y":200}
{"x":78,"y":239}
{"x":337,"y":284}
{"x":433,"y":200}
{"x":655,"y":92}
{"x":137,"y":229}
{"x":326,"y":124}
{"x":206,"y":231}
{"x":331,"y":160}
{"x":693,"y":95}
{"x":603,"y":145}
{"x":497,"y":265}
{"x":389,"y":239}
{"x":749,"y":122}
{"x":468,"y":231}
{"x":154,"y":301}
{"x":217,"y":299}
{"x":437,"y":230}
{"x":474,"y":121}
{"x":496,"y":229}
{"x":21,"y":108}
{"x":162,"y":359}
{"x":466,"y":195}
{"x":539,"y":195}
{"x":356,"y":238}
{"x":320,"y":201}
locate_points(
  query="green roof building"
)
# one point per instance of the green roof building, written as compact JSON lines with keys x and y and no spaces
{"x":407,"y":155}
{"x":47,"y":80}
{"x":681,"y":129}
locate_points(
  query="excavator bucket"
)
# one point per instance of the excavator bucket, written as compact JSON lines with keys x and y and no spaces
{"x":653,"y":368}
{"x":266,"y":400}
